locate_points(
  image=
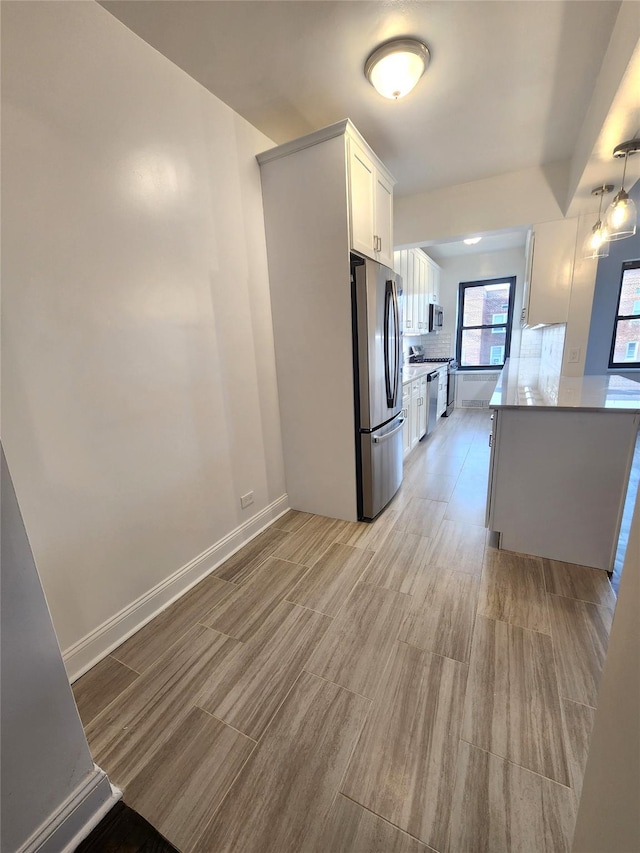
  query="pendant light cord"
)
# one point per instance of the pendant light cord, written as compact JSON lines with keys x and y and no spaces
{"x":624,"y":171}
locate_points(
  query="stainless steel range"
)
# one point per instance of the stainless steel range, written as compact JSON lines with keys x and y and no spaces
{"x":417,"y":356}
{"x":452,"y":377}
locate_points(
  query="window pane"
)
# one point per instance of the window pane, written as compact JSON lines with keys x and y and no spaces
{"x":627,"y":337}
{"x":629,"y":302}
{"x":483,"y":347}
{"x":483,"y":303}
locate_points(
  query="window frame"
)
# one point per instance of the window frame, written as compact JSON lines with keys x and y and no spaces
{"x":623,"y":365}
{"x":463,"y":286}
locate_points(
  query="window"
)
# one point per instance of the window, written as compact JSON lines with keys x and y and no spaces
{"x":497,"y":355}
{"x":626,"y":328}
{"x":485,"y":315}
{"x":498,"y":318}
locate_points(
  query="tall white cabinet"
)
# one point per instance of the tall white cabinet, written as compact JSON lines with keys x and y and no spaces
{"x":324,"y":195}
{"x":421,"y":287}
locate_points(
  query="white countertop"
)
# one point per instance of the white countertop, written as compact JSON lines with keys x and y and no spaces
{"x":415,"y":371}
{"x":532,"y":383}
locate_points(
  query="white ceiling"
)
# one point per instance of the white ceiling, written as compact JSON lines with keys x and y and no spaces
{"x":508,"y":86}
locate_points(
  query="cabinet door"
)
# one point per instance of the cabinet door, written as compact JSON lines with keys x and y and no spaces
{"x":429,"y":286}
{"x":552,"y":272}
{"x":493,"y":444}
{"x":362,"y":186}
{"x":411,"y":302}
{"x":406,"y":434}
{"x":423,"y":297}
{"x":384,"y":219}
{"x":435,"y":284}
{"x":406,"y":426}
{"x":415,"y":413}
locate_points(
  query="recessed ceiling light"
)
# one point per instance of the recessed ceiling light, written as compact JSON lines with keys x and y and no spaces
{"x":394,"y":68}
{"x":471,"y":241}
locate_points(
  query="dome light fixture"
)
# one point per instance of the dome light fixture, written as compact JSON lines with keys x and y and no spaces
{"x":471,"y":241}
{"x":621,"y":217}
{"x":596,"y":244}
{"x":394,"y":68}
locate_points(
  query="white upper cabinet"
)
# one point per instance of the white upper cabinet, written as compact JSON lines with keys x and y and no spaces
{"x":420,"y":285}
{"x":434,"y":282}
{"x":370,"y":205}
{"x":551,"y":252}
{"x":362,"y":189}
{"x":384,"y":218}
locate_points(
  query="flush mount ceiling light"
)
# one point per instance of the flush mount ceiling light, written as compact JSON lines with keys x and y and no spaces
{"x":394,"y":68}
{"x":620,"y":220}
{"x":596,"y":244}
{"x":471,"y":241}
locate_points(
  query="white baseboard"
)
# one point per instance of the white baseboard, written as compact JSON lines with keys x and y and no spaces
{"x":76,"y":817}
{"x":84,"y":654}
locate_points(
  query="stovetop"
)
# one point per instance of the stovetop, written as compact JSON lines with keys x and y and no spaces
{"x":427,"y":359}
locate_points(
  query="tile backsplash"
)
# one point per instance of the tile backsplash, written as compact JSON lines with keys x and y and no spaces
{"x":436,"y":345}
{"x":531,"y":343}
{"x":547,"y":344}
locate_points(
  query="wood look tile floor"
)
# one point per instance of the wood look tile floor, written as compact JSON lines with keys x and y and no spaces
{"x":339,"y":687}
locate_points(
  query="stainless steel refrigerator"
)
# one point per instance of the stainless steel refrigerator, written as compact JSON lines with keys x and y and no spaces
{"x":377,"y":335}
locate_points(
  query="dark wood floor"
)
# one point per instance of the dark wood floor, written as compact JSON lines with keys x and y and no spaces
{"x":124,"y":831}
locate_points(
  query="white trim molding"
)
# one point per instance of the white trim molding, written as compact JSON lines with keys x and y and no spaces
{"x":84,"y":654}
{"x":76,"y":817}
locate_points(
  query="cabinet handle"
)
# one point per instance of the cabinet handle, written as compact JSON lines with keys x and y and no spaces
{"x":490,"y":439}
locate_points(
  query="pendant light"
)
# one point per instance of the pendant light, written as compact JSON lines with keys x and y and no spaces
{"x":394,"y":68}
{"x":596,"y":244}
{"x":621,"y":218}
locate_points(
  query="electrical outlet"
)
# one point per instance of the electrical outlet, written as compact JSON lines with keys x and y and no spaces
{"x":573,"y":356}
{"x":246,"y":500}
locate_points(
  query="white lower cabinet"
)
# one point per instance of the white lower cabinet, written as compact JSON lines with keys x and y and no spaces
{"x":415,"y":411}
{"x":406,"y":427}
{"x":543,"y":498}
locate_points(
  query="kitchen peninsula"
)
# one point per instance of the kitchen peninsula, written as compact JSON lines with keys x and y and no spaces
{"x":561,"y":454}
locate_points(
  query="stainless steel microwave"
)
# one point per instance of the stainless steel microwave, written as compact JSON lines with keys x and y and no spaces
{"x":436,"y":318}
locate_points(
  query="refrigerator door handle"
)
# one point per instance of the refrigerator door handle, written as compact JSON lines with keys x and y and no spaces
{"x":396,"y":313}
{"x":377,"y":439}
{"x":388,"y":295}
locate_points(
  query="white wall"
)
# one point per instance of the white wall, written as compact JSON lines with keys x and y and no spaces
{"x":504,"y":201}
{"x":608,"y":816}
{"x":474,"y":267}
{"x":140,"y":396}
{"x":46,"y":763}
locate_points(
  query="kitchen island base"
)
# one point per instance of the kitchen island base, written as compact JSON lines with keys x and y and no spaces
{"x":558,"y":480}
